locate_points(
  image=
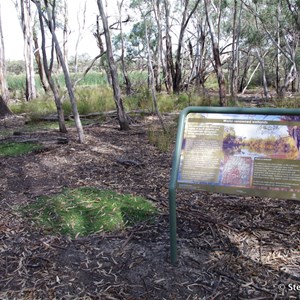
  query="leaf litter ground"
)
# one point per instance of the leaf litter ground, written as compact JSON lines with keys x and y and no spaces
{"x":230,"y":247}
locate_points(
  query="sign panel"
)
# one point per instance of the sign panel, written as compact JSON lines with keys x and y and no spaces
{"x":241,"y":154}
{"x":244,"y":151}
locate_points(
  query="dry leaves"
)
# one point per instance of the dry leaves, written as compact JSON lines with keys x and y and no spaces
{"x":229,"y":247}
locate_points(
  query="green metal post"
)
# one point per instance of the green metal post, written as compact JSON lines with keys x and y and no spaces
{"x":172,"y":186}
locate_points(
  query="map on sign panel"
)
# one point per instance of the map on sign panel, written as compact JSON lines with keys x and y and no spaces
{"x":241,"y":154}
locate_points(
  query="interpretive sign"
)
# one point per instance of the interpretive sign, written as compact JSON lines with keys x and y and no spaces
{"x":242,"y":151}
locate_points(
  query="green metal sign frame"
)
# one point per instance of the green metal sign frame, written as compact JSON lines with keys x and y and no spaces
{"x":178,"y":149}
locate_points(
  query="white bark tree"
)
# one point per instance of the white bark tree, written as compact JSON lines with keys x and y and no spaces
{"x":48,"y":69}
{"x":27,"y":29}
{"x":152,"y":78}
{"x":4,"y":109}
{"x":66,"y":33}
{"x":81,"y":27}
{"x":216,"y":55}
{"x":47,"y":15}
{"x":124,"y":69}
{"x":122,"y":116}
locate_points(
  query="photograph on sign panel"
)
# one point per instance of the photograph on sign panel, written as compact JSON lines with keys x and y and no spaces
{"x":273,"y":141}
{"x":236,"y":171}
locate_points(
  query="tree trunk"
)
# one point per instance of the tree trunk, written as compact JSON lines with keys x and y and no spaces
{"x":288,"y":80}
{"x":277,"y":50}
{"x":250,"y":78}
{"x":80,"y":30}
{"x":160,"y":61}
{"x":4,"y":109}
{"x":53,"y":86}
{"x":263,"y":71}
{"x":67,"y":81}
{"x":26,"y":23}
{"x":3,"y":83}
{"x":66,"y":34}
{"x":169,"y":54}
{"x":103,"y":62}
{"x":151,"y":78}
{"x":197,"y":68}
{"x":234,"y":55}
{"x":185,"y":20}
{"x":122,"y":116}
{"x":124,"y":71}
{"x":200,"y":70}
{"x":217,"y":59}
{"x":40,"y":64}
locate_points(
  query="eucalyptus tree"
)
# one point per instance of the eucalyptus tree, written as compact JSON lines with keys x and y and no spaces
{"x":261,"y":46}
{"x":3,"y":82}
{"x":146,"y":16}
{"x":199,"y":51}
{"x":236,"y":24}
{"x":291,"y":37}
{"x":282,"y":29}
{"x":48,"y":65}
{"x":152,"y":77}
{"x":66,"y":32}
{"x":4,"y":109}
{"x":216,"y":54}
{"x":168,"y":51}
{"x":98,"y":33}
{"x":26,"y":21}
{"x":146,"y":38}
{"x":81,"y":21}
{"x":157,"y":8}
{"x":47,"y":17}
{"x":122,"y":116}
{"x":39,"y":59}
{"x":120,"y":27}
{"x":186,"y":16}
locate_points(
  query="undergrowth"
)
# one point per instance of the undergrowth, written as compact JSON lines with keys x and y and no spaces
{"x":160,"y":139}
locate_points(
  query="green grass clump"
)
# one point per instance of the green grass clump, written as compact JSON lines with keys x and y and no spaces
{"x":87,"y":210}
{"x":166,"y":103}
{"x":293,"y":102}
{"x":14,"y":149}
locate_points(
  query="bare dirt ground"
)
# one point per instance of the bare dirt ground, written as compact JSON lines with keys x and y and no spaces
{"x":229,"y":247}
